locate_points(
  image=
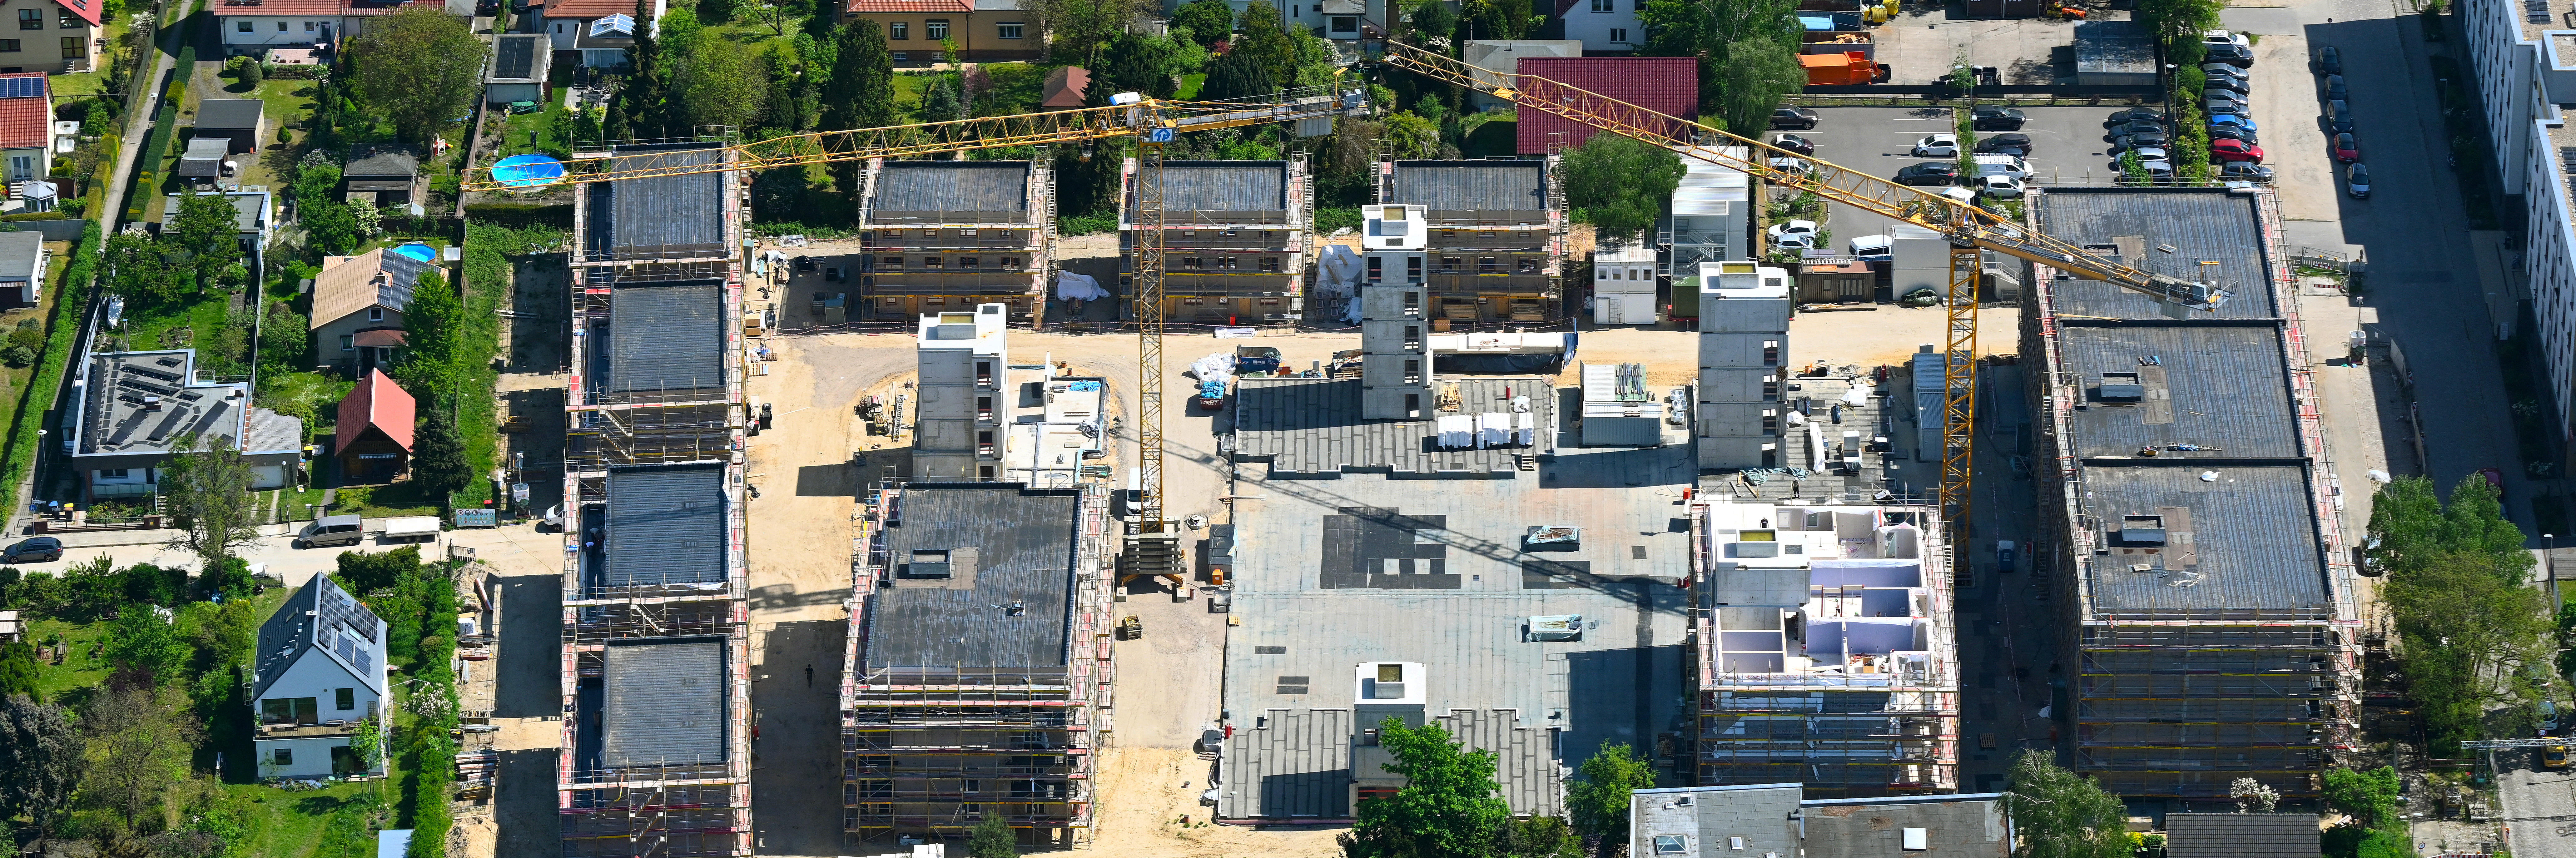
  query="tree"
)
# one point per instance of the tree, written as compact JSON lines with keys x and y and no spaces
{"x":1265,"y":41}
{"x":139,"y":639}
{"x":41,"y":758}
{"x":206,"y":488}
{"x":2252,"y":796}
{"x":138,"y":746}
{"x":438,"y":458}
{"x":860,"y":93}
{"x":1619,"y":184}
{"x":943,"y":100}
{"x":1139,"y":62}
{"x":1075,"y":29}
{"x":143,"y":273}
{"x":18,"y":674}
{"x":1600,"y":800}
{"x":284,"y":342}
{"x":775,"y":14}
{"x":2180,"y":22}
{"x":419,"y":67}
{"x":678,"y":34}
{"x":2367,"y":796}
{"x":1210,"y":22}
{"x":434,"y":350}
{"x":209,"y":230}
{"x":639,"y":100}
{"x":2060,"y":815}
{"x":1724,"y":34}
{"x":1447,"y":806}
{"x":369,"y":219}
{"x":1541,"y":837}
{"x":368,"y":745}
{"x":721,"y":84}
{"x":1237,"y":75}
{"x":1410,"y":136}
{"x":1495,"y":19}
{"x":1758,"y":72}
{"x":2458,"y":590}
{"x":992,"y":838}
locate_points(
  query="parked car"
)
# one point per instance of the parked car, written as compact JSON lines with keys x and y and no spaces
{"x":2238,"y":86}
{"x":2335,"y":90}
{"x":2221,"y":108}
{"x":41,"y":549}
{"x":1999,"y":187}
{"x":2357,"y":181}
{"x":2553,"y":757}
{"x":2158,"y":172}
{"x":2235,"y":150}
{"x":1805,"y":229}
{"x":1873,"y":248}
{"x":332,"y":530}
{"x":1796,"y":118}
{"x":1794,"y":143}
{"x":1793,"y":166}
{"x":1928,"y":173}
{"x":2240,"y":56}
{"x":2236,"y":119}
{"x":2214,"y":38}
{"x":2346,"y":149}
{"x":1961,"y":196}
{"x":1988,"y":117}
{"x":2132,"y":141}
{"x":2144,"y":153}
{"x":2019,"y":144}
{"x":2232,"y":132}
{"x":2127,"y":128}
{"x":2145,"y":145}
{"x":2339,"y":117}
{"x":2134,"y":114}
{"x":2216,"y":100}
{"x":2221,"y":68}
{"x":2329,"y":60}
{"x":2244,"y":171}
{"x":1937,"y":146}
{"x":2004,"y":550}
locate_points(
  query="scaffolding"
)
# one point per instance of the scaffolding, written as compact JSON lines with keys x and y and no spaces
{"x":1500,"y":265}
{"x":1871,"y":726}
{"x":2178,"y":703}
{"x":699,"y":805}
{"x":915,"y":263}
{"x":931,"y":755}
{"x":1228,"y":266}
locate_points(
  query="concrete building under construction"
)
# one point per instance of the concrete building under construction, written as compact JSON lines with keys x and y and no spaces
{"x":2211,"y":633}
{"x":1496,"y":241}
{"x":656,"y":744}
{"x":979,"y":662}
{"x":1234,"y":239}
{"x":939,"y":236}
{"x":1827,"y":647}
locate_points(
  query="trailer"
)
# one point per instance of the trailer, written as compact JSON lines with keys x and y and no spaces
{"x":410,"y":528}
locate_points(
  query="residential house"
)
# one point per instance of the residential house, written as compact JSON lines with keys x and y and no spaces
{"x":520,"y":63}
{"x":375,"y":430}
{"x":1332,"y":19}
{"x":22,"y":268}
{"x":251,"y":27}
{"x":319,"y":672}
{"x":388,"y":176}
{"x":1603,"y":26}
{"x":358,"y":306}
{"x":1064,"y":89}
{"x":236,"y":120}
{"x":254,"y":216}
{"x":1503,"y":56}
{"x":66,"y":40}
{"x":26,"y":125}
{"x":130,"y":410}
{"x":203,"y":162}
{"x":985,"y":30}
{"x":601,"y":30}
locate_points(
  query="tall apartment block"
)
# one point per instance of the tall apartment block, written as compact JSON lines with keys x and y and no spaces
{"x":1395,"y":365}
{"x":2208,"y":610}
{"x":963,"y":398}
{"x":656,"y":744}
{"x":1828,"y":652}
{"x":1743,"y":343}
{"x":1234,"y":239}
{"x":979,"y":662}
{"x":1496,"y":235}
{"x":940,"y":236}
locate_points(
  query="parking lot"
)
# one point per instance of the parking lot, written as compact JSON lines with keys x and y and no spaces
{"x":2068,"y":149}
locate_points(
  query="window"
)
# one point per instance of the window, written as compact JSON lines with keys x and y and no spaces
{"x":972,"y":786}
{"x":1529,"y":265}
{"x":891,"y":262}
{"x":967,"y":262}
{"x":1295,"y":11}
{"x":899,"y":30}
{"x":1192,"y":263}
{"x":1413,"y":269}
{"x":558,"y":28}
{"x":281,"y":26}
{"x":900,"y":56}
{"x":348,"y":343}
{"x":289,"y":710}
{"x":1011,"y":262}
{"x":1487,"y":264}
{"x":965,"y":233}
{"x":984,"y":405}
{"x":73,"y":45}
{"x":308,"y":26}
{"x":934,"y":263}
{"x":1671,"y":844}
{"x":68,"y":22}
{"x":115,"y":474}
{"x":375,"y":314}
{"x":1602,"y":5}
{"x":1770,"y":352}
{"x":1412,"y":337}
{"x":934,"y":30}
{"x":283,"y":757}
{"x":1619,"y":35}
{"x":1346,"y":24}
{"x":984,"y":473}
{"x":344,"y":698}
{"x":1270,"y":264}
{"x":1008,"y":29}
{"x":242,"y":26}
{"x":1452,"y":263}
{"x":1376,"y":269}
{"x":1227,"y":263}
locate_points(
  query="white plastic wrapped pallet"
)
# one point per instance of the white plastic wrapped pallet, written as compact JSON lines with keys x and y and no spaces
{"x":1457,"y":431}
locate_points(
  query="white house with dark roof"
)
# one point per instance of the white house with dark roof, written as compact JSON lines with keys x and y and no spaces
{"x":22,"y":268}
{"x":319,"y":671}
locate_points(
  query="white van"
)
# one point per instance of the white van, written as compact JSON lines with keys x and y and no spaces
{"x":2002,"y":165}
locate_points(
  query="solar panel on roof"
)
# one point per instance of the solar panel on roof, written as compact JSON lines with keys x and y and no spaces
{"x":518,"y":57}
{"x":21,"y":87}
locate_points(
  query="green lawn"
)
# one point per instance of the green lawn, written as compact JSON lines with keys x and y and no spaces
{"x":384,"y":501}
{"x":1190,"y":84}
{"x":78,"y":669}
{"x":543,"y":124}
{"x":183,"y":327}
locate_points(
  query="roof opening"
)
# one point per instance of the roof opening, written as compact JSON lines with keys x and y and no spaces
{"x":2142,"y":530}
{"x":927,"y":564}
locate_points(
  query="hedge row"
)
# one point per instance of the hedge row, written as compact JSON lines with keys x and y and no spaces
{"x":433,"y":744}
{"x":148,"y":179}
{"x":63,"y":327}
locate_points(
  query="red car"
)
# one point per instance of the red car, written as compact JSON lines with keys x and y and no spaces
{"x":2346,"y":149}
{"x":2235,"y":150}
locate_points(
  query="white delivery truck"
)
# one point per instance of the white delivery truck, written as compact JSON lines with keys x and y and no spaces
{"x":409,"y":528}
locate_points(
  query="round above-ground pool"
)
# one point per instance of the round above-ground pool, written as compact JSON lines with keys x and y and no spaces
{"x":528,"y":171}
{"x":419,"y":251}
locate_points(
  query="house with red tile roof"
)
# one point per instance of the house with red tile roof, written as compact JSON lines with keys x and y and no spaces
{"x":986,"y":31}
{"x":53,"y":36}
{"x":600,"y":29}
{"x":375,"y":430}
{"x":252,"y":27}
{"x":26,"y":126}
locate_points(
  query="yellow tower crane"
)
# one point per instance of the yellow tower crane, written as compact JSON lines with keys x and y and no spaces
{"x":1151,"y":551}
{"x":1968,"y":228}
